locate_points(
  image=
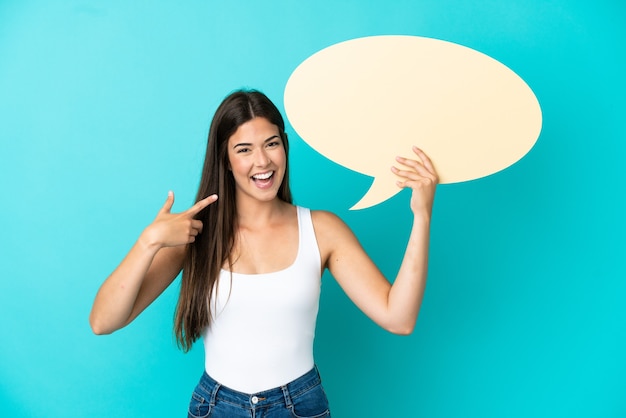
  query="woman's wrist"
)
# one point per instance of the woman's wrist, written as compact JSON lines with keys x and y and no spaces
{"x":149,"y":241}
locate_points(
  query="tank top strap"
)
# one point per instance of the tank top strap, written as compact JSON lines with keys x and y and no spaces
{"x":308,"y":250}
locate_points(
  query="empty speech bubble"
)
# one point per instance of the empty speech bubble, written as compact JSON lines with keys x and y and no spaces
{"x":364,"y":101}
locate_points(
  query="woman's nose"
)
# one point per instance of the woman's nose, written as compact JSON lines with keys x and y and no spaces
{"x":262,"y":159}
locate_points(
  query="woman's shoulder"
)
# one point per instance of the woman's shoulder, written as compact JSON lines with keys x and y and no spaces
{"x":324,"y":215}
{"x":332,"y":233}
{"x":326,"y":221}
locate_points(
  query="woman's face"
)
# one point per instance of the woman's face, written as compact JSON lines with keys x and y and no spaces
{"x":257,"y":160}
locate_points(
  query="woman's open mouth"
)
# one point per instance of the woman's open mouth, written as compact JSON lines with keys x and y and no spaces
{"x":263,"y":180}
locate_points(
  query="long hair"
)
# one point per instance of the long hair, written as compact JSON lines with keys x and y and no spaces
{"x":212,"y":249}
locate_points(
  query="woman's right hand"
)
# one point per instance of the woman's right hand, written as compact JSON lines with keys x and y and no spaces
{"x":148,"y":268}
{"x":174,"y":229}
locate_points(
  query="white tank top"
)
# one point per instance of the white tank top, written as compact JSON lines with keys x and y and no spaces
{"x":263,"y":325}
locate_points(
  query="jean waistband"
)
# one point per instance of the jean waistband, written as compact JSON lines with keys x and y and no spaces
{"x":214,"y":390}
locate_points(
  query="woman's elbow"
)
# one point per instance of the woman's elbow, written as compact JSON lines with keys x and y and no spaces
{"x":97,"y":330}
{"x":98,"y":327}
{"x":400,"y":328}
{"x":404,"y":331}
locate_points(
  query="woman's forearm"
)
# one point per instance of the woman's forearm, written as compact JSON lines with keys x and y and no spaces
{"x":407,"y":291}
{"x":116,"y":298}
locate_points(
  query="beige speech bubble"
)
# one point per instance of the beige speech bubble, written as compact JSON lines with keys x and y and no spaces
{"x":362,"y":102}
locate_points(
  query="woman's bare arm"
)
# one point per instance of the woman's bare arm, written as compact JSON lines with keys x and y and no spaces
{"x":150,"y":266}
{"x":394,"y":307}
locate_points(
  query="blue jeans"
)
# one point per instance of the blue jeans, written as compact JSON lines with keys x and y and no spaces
{"x":302,"y":398}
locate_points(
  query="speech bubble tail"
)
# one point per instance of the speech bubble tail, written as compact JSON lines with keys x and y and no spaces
{"x":378,"y":192}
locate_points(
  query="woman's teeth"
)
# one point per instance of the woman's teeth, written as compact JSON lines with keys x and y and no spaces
{"x":263,"y":176}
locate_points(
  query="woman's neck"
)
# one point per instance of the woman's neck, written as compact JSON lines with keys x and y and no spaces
{"x":254,"y":212}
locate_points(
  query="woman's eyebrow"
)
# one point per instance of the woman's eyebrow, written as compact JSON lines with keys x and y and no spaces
{"x":242,"y":144}
{"x":270,"y":138}
{"x":249,"y":144}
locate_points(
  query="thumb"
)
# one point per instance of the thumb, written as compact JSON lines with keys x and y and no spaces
{"x":169,"y":202}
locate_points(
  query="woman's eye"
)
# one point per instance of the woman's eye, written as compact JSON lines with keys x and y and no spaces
{"x":242,"y":150}
{"x":273,"y":144}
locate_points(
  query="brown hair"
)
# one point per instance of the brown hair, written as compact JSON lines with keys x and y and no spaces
{"x":212,"y":249}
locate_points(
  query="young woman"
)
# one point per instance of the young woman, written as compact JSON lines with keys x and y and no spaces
{"x":252,"y":264}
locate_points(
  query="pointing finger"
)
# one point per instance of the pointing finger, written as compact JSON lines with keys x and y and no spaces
{"x":201,"y":204}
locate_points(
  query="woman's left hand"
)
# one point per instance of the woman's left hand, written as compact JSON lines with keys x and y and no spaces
{"x":421,"y":177}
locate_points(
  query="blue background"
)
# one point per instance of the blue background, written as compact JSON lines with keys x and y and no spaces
{"x":105,"y":106}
